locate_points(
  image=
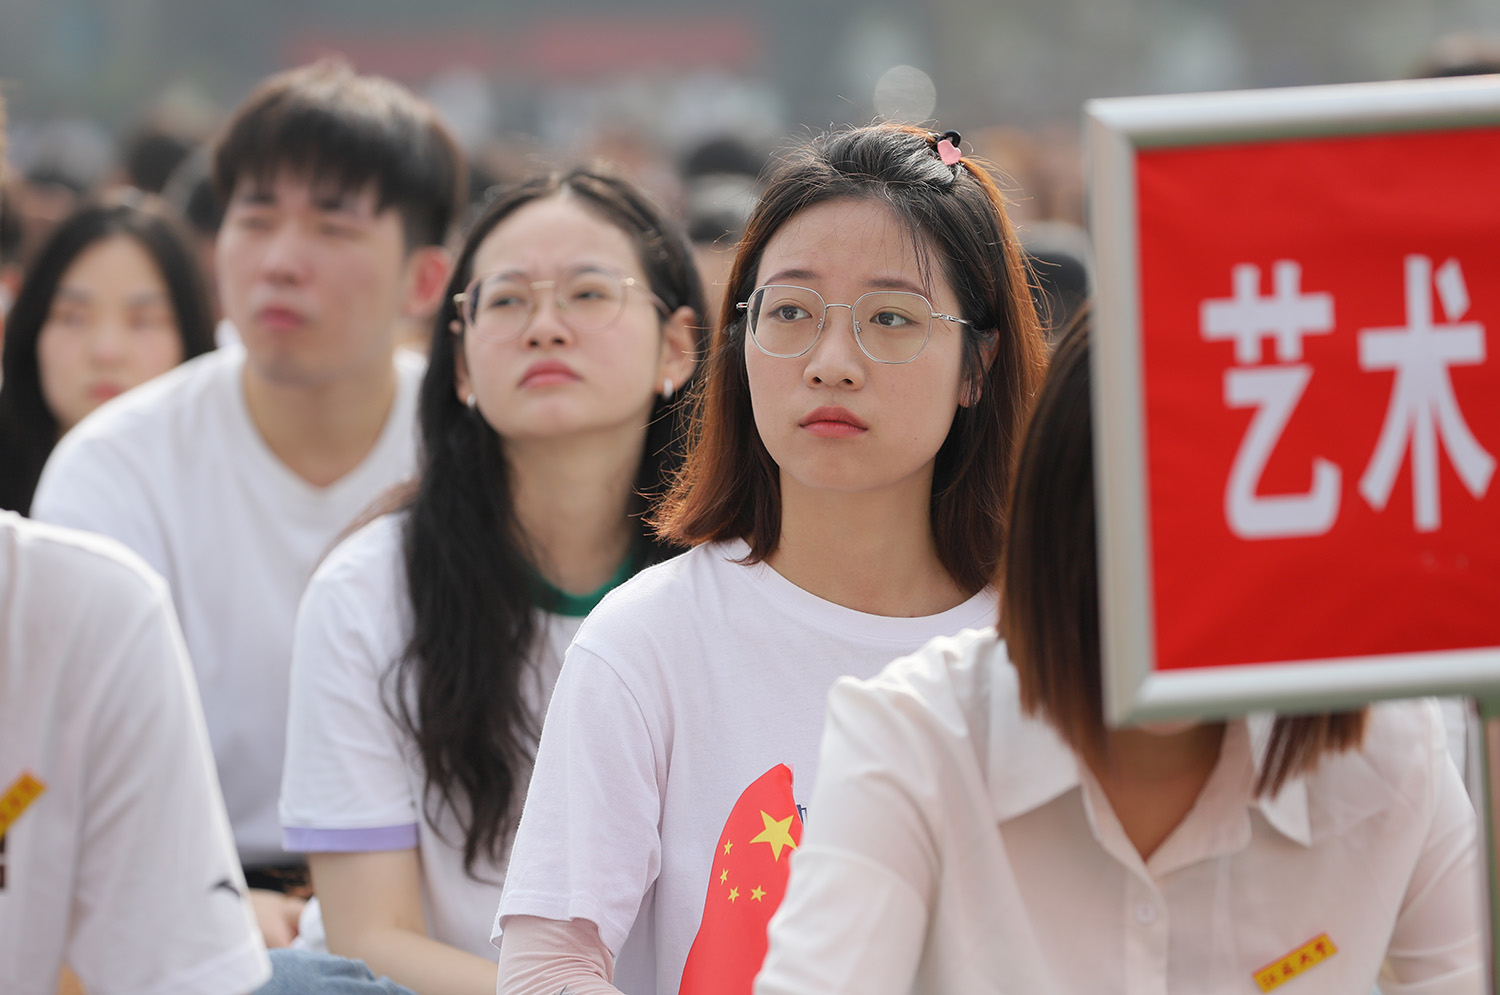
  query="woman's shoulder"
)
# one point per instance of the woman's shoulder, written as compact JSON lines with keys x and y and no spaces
{"x":957,"y":685}
{"x":1402,"y":763}
{"x":366,"y":562}
{"x":1404,"y":739}
{"x":668,"y":594}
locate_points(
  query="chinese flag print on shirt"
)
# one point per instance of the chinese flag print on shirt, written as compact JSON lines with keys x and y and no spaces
{"x":749,"y":877}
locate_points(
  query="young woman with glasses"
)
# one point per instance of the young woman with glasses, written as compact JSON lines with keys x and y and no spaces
{"x":428,"y":642}
{"x":876,"y":356}
{"x":979,"y":828}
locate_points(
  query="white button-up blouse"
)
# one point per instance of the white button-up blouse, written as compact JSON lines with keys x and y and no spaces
{"x":955,"y":845}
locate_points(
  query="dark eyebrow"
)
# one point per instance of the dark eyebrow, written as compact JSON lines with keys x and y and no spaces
{"x":146,"y":298}
{"x":257,"y":194}
{"x":520,"y":275}
{"x":879,"y":282}
{"x":781,"y":276}
{"x":336,"y":201}
{"x":897,"y":283}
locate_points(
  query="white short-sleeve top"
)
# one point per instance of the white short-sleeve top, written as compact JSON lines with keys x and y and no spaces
{"x":684,"y":686}
{"x":960,"y":846}
{"x":177,"y":471}
{"x":123,"y":866}
{"x":354,"y":780}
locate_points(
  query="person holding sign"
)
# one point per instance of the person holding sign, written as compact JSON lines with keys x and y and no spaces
{"x":980,"y":828}
{"x":877,"y":352}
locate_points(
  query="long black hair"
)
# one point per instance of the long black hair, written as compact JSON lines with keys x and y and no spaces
{"x":474,"y":598}
{"x":28,"y":428}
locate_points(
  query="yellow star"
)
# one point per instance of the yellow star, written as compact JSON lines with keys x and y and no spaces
{"x":727,"y":845}
{"x":758,"y":894}
{"x":724,"y":876}
{"x":734,"y":893}
{"x":776,"y":834}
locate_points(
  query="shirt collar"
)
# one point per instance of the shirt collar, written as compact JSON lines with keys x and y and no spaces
{"x":1029,"y":764}
{"x":1286,"y":810}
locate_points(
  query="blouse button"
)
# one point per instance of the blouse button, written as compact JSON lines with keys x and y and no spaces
{"x":1145,"y":913}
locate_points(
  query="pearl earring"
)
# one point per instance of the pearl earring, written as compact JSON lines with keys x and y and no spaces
{"x":666,"y":390}
{"x":472,"y":401}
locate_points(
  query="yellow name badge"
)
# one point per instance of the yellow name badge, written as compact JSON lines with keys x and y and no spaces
{"x":17,"y":799}
{"x":1304,"y":958}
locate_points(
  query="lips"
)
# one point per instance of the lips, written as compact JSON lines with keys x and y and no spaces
{"x":278,"y":318}
{"x":102,"y":392}
{"x":833,"y":422}
{"x":548,"y":373}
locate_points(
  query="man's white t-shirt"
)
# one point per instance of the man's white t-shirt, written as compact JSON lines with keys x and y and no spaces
{"x":681,"y":689}
{"x":123,"y":866}
{"x":177,"y":471}
{"x":354,"y":780}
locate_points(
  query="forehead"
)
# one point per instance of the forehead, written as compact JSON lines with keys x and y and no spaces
{"x":854,"y":242}
{"x":553,"y":235}
{"x":113,"y":261}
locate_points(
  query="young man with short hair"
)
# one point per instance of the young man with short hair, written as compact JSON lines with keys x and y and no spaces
{"x":233,"y":474}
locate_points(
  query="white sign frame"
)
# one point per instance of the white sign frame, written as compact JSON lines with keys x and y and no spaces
{"x":1115,"y":129}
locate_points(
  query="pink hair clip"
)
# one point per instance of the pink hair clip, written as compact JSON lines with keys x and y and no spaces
{"x":948,"y":150}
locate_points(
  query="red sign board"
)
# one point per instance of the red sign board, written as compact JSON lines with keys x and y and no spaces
{"x":1315,"y":347}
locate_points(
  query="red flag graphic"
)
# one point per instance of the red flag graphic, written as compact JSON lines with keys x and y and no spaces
{"x":748,"y":881}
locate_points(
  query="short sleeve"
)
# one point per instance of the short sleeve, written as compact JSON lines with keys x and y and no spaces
{"x":1435,"y":946}
{"x":346,"y":785}
{"x":856,"y":908}
{"x":159,"y":902}
{"x":88,"y":484}
{"x":589,"y":843}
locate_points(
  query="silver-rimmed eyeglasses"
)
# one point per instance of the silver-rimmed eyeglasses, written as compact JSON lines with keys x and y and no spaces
{"x":500,"y":306}
{"x":891,"y":326}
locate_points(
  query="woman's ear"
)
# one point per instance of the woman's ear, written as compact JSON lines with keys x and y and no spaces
{"x":974,"y":386}
{"x":679,"y":348}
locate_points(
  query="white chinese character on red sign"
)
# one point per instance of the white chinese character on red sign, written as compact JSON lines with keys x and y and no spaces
{"x":1285,"y":316}
{"x":1423,"y":412}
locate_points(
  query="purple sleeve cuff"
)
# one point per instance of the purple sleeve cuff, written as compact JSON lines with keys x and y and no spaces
{"x":301,"y":840}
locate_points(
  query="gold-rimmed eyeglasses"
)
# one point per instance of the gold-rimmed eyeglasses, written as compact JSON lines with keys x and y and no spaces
{"x":500,"y":306}
{"x":891,"y":326}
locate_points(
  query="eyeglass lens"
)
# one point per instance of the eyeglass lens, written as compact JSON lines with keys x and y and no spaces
{"x":501,"y":306}
{"x":890,"y":326}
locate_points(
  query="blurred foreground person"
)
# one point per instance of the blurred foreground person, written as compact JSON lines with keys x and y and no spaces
{"x":116,"y":861}
{"x":428,"y":642}
{"x":235,"y":473}
{"x":115,"y":854}
{"x":979,"y":828}
{"x":113,"y":298}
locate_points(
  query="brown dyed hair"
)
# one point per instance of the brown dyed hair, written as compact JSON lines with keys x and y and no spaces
{"x":1049,"y":605}
{"x":730,"y":486}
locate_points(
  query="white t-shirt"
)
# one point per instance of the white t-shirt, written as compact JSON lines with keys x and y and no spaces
{"x":681,"y":689}
{"x":354,"y":780}
{"x":123,"y":866}
{"x":177,"y":471}
{"x":961,"y":847}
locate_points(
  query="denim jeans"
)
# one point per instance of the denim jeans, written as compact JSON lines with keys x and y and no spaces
{"x":302,"y":972}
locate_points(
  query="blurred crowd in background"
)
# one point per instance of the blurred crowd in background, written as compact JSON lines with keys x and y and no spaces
{"x":690,"y":101}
